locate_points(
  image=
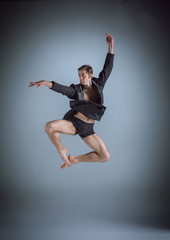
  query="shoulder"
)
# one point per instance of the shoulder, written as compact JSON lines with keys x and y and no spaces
{"x":76,"y":86}
{"x":95,"y":80}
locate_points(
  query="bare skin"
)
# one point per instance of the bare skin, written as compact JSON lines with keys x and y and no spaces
{"x":100,"y":153}
{"x":54,"y":128}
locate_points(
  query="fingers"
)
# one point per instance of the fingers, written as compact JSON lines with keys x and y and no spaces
{"x":107,"y":34}
{"x":39,"y":85}
{"x":35,"y":83}
{"x":31,"y":84}
{"x":109,"y":39}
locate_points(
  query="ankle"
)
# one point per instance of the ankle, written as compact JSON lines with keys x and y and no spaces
{"x":60,"y":149}
{"x":76,"y":159}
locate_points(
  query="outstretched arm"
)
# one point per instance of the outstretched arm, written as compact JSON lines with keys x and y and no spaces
{"x":70,"y":91}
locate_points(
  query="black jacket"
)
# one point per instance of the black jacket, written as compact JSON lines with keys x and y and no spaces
{"x":76,"y":91}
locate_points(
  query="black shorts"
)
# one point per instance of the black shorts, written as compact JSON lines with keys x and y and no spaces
{"x":83,"y":128}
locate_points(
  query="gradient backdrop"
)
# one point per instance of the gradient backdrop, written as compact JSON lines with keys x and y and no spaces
{"x":125,"y":198}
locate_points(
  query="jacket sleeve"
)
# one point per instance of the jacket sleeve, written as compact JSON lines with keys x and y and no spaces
{"x":107,"y":68}
{"x":70,"y":91}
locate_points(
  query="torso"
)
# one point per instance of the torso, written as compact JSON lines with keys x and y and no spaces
{"x":89,"y":95}
{"x":84,"y":118}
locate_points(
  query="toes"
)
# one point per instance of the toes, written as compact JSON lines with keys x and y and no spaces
{"x":65,"y":165}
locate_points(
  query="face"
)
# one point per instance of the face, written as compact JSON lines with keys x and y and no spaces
{"x":84,"y":77}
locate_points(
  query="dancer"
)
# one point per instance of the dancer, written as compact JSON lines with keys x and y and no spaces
{"x":86,"y":106}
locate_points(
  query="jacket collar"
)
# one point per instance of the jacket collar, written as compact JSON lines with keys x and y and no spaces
{"x":82,"y":86}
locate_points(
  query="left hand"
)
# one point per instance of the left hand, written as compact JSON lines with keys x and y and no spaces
{"x":109,"y":39}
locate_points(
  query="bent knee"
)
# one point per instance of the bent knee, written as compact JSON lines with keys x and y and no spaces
{"x":106,"y":156}
{"x":49,"y":127}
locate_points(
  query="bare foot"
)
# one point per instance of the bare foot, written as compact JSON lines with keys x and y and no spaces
{"x":63,"y":153}
{"x":72,"y":160}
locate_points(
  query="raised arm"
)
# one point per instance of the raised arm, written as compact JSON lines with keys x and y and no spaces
{"x":108,"y":65}
{"x":110,"y":42}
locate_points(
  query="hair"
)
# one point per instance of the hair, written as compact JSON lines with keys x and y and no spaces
{"x":88,"y":69}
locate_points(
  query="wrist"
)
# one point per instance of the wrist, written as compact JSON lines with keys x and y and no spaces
{"x":110,"y":49}
{"x":48,"y":84}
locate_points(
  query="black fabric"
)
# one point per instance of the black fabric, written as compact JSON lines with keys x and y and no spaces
{"x":84,"y":129}
{"x":76,"y":91}
{"x":70,"y":92}
{"x":89,"y":109}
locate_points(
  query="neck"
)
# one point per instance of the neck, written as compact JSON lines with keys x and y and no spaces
{"x":88,"y":85}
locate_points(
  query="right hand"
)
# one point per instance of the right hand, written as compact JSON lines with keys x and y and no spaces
{"x":109,"y":39}
{"x":39,"y":83}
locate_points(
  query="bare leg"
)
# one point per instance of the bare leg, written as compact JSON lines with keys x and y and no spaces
{"x":53,"y":128}
{"x":62,"y":151}
{"x":100,"y":154}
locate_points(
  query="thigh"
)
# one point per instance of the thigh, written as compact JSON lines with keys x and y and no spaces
{"x":62,"y":126}
{"x":96,"y":143}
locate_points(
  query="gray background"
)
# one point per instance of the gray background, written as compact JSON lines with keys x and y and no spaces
{"x":125,"y":198}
